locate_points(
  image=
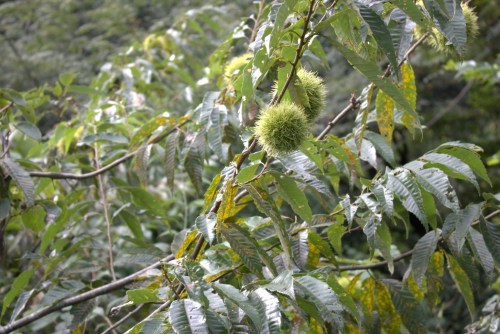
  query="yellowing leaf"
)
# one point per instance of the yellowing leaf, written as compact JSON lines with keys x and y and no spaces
{"x":389,"y":317}
{"x":418,"y":292}
{"x":410,"y":120}
{"x":385,"y":115}
{"x":227,"y":204}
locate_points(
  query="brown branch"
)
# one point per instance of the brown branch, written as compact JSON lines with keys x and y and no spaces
{"x":105,"y":289}
{"x":63,"y":175}
{"x":400,"y":257}
{"x":7,"y":106}
{"x":257,"y":21}
{"x":104,"y":202}
{"x":298,"y":54}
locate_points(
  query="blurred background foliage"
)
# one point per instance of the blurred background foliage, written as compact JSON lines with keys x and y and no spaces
{"x":162,"y":46}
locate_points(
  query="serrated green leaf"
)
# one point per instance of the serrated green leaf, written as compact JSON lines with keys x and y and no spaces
{"x":247,"y":173}
{"x":269,"y":308}
{"x":244,"y":245}
{"x":148,"y":128}
{"x":322,"y":296}
{"x":292,"y":194}
{"x":17,"y":285}
{"x":491,"y":234}
{"x":29,"y":129}
{"x":170,"y":154}
{"x":4,"y":208}
{"x":300,"y":249}
{"x":141,"y":164}
{"x":242,"y":301}
{"x":215,"y":130}
{"x":422,"y":252}
{"x":451,"y":23}
{"x":187,"y":317}
{"x":142,"y":296}
{"x":34,"y":218}
{"x":21,"y":177}
{"x":382,"y":147}
{"x":80,"y":312}
{"x":283,"y":283}
{"x":481,"y":252}
{"x":381,"y":33}
{"x":431,"y":211}
{"x":372,"y":72}
{"x":335,"y":233}
{"x":436,"y":182}
{"x":403,"y":184}
{"x":193,"y":163}
{"x":206,"y":225}
{"x":146,"y":200}
{"x":413,"y":12}
{"x":459,"y":223}
{"x":462,"y":281}
{"x":470,"y":157}
{"x":385,"y":197}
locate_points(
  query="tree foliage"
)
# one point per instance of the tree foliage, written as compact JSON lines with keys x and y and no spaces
{"x":156,"y":196}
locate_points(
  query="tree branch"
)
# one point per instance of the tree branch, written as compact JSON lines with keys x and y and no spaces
{"x":105,"y":289}
{"x":63,"y":175}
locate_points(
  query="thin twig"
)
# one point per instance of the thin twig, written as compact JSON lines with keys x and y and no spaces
{"x":63,"y":175}
{"x":452,"y":104}
{"x":104,"y":202}
{"x":7,"y":106}
{"x":122,"y":320}
{"x":102,"y":290}
{"x":257,"y":21}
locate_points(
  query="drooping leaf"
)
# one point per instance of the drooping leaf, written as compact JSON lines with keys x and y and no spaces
{"x":451,"y":22}
{"x":385,"y":115}
{"x":170,"y":154}
{"x":17,"y":285}
{"x":244,"y":245}
{"x":381,"y":34}
{"x":289,"y":190}
{"x":478,"y":246}
{"x":283,"y":283}
{"x":462,"y":282}
{"x":372,"y":72}
{"x":34,"y":218}
{"x":145,"y":200}
{"x":383,"y":148}
{"x":467,"y":155}
{"x":389,"y":317}
{"x":187,"y":317}
{"x":422,"y":252}
{"x":242,"y":301}
{"x":80,"y":312}
{"x":21,"y":177}
{"x":323,"y":297}
{"x":491,"y":234}
{"x":410,"y":119}
{"x":385,"y":197}
{"x":29,"y":129}
{"x":413,"y":12}
{"x":141,"y":164}
{"x":459,"y":223}
{"x":193,"y":161}
{"x":206,"y":225}
{"x":403,"y":184}
{"x":269,"y":308}
{"x":436,"y":182}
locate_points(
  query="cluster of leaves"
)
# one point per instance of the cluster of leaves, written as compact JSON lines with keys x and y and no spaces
{"x":307,"y":241}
